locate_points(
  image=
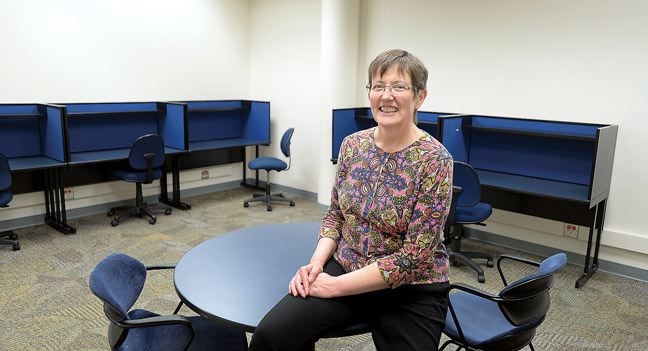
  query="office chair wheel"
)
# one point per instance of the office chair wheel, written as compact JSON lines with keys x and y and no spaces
{"x":167,"y":211}
{"x":13,"y":236}
{"x":15,"y":247}
{"x":481,"y":278}
{"x":114,"y":222}
{"x":490,"y":264}
{"x":292,"y":203}
{"x":245,"y":204}
{"x":111,"y":213}
{"x":152,"y":220}
{"x":269,"y":208}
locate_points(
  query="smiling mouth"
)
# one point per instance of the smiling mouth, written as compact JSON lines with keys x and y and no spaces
{"x":388,"y":109}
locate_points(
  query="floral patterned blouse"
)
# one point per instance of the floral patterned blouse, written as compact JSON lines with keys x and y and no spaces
{"x":391,"y":208}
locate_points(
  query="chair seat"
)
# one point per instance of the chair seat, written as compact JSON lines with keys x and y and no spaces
{"x":268,"y":163}
{"x":136,"y":177}
{"x":482,"y":321}
{"x":473,"y":214}
{"x":208,"y":336}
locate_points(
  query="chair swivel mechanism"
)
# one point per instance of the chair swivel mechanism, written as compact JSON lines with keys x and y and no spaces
{"x":118,"y":281}
{"x":506,"y":321}
{"x":466,"y":209}
{"x":6,"y":237}
{"x":272,"y":164}
{"x":146,"y":161}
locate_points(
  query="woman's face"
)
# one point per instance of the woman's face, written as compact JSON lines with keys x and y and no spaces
{"x":391,"y":108}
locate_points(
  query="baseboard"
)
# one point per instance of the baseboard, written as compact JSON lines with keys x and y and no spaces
{"x":278,"y":188}
{"x":541,"y":250}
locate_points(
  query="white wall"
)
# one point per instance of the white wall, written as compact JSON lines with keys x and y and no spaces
{"x":284,"y":69}
{"x":120,"y":50}
{"x":580,"y":60}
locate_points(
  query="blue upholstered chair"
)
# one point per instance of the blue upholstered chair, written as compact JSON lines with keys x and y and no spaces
{"x":146,"y":161}
{"x":466,"y":209}
{"x":506,"y":321}
{"x":118,"y":281}
{"x":272,"y":164}
{"x":7,"y":237}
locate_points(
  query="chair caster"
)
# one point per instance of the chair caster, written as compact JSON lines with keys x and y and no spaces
{"x":490,"y":264}
{"x":13,"y":236}
{"x":15,"y":247}
{"x":111,"y":213}
{"x":481,"y":278}
{"x":167,"y":211}
{"x":114,"y":222}
{"x":245,"y":204}
{"x":292,"y":203}
{"x":269,"y":208}
{"x":152,"y":220}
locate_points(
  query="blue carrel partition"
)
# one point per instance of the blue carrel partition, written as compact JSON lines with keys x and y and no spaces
{"x":32,"y":139}
{"x":552,"y":169}
{"x":228,"y":123}
{"x":99,"y":132}
{"x":213,"y":126}
{"x":347,"y":121}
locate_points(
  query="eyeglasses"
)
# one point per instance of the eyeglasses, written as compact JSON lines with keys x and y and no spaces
{"x":379,"y":88}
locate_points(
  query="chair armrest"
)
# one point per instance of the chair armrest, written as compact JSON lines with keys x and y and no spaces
{"x":157,"y":321}
{"x":514,"y":258}
{"x":161,"y":321}
{"x":156,"y":267}
{"x":474,"y":291}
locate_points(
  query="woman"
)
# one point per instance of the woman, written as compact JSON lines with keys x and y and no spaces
{"x":380,"y":253}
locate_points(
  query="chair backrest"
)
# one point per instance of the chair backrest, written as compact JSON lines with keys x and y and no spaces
{"x":118,"y":281}
{"x":285,"y":141}
{"x":464,"y":176}
{"x":526,"y":300}
{"x":5,"y":182}
{"x":149,"y":145}
{"x":5,"y":173}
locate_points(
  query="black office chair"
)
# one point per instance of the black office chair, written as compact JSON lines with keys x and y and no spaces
{"x":146,"y":162}
{"x":272,"y":164}
{"x":118,"y":281}
{"x":477,"y":320}
{"x":466,"y":209}
{"x":7,"y":237}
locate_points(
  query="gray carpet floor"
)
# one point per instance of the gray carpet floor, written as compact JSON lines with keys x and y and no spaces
{"x":45,"y":302}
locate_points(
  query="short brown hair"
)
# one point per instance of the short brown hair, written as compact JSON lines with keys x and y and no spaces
{"x":405,"y":62}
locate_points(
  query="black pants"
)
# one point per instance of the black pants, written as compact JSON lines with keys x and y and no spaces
{"x":410,"y":317}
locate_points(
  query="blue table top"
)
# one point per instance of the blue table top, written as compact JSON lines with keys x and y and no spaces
{"x":236,"y":278}
{"x":535,"y":186}
{"x":224,"y":143}
{"x":32,"y":163}
{"x":109,"y":155}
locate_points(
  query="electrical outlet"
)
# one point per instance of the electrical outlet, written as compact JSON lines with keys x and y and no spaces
{"x":68,"y":193}
{"x":204,"y":174}
{"x":570,"y":231}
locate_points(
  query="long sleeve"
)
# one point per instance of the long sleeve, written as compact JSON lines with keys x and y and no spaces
{"x":333,"y":221}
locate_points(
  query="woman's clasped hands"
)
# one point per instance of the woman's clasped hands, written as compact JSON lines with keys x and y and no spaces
{"x":310,"y":280}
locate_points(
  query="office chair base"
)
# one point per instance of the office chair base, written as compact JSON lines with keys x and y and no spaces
{"x":125,"y":212}
{"x":10,"y":238}
{"x":465,"y":258}
{"x":268,"y":199}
